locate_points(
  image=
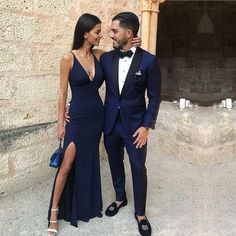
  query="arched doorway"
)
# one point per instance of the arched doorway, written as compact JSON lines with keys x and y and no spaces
{"x":196,"y":47}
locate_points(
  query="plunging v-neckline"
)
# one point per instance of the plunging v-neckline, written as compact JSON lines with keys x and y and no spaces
{"x":94,"y":62}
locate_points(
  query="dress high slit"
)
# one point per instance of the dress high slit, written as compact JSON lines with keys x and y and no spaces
{"x":81,"y":198}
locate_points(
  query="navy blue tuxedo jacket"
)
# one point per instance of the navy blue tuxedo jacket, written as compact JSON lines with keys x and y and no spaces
{"x":143,"y":75}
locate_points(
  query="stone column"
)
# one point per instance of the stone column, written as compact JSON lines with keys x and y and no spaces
{"x":153,"y":26}
{"x":150,"y":10}
{"x":146,"y":6}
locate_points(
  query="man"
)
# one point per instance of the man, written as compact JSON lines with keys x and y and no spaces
{"x":129,"y":72}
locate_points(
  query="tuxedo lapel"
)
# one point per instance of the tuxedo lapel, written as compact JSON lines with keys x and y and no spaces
{"x":134,"y":67}
{"x":115,"y":63}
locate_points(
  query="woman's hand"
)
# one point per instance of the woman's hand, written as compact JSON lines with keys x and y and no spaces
{"x":67,"y":118}
{"x":60,"y":131}
{"x":137,"y":42}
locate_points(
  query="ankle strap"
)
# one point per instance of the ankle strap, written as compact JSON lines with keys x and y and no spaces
{"x":53,"y":221}
{"x":54,"y":209}
{"x":52,"y":231}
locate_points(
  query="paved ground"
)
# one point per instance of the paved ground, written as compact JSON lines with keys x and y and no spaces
{"x":183,"y":200}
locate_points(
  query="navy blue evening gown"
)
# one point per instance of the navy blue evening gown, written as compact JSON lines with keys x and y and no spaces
{"x":81,"y":198}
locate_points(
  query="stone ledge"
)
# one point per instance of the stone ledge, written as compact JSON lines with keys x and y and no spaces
{"x":203,"y":135}
{"x":24,"y":156}
{"x":9,"y":138}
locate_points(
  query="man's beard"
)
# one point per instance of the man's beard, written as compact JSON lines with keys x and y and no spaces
{"x":120,"y":44}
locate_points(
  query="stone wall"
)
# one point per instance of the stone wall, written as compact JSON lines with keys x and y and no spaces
{"x":34,"y":36}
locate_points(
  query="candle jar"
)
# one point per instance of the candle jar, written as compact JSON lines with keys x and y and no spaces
{"x":182,"y":103}
{"x":228,"y":103}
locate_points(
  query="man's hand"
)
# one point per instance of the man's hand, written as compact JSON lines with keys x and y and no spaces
{"x":141,"y":135}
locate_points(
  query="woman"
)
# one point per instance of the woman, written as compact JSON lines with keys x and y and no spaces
{"x":76,"y":192}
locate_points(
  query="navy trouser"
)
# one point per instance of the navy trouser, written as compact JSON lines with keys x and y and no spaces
{"x":114,"y":144}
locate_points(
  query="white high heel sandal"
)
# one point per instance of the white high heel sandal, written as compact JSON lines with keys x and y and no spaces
{"x":53,"y":232}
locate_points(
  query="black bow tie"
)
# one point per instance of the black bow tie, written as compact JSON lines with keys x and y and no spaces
{"x":125,"y":54}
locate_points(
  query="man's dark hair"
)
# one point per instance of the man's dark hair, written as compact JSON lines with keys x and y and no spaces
{"x":128,"y":20}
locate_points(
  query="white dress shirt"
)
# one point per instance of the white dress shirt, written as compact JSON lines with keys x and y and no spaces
{"x":124,"y":65}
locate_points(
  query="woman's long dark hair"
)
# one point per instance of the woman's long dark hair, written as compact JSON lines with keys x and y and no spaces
{"x":84,"y":24}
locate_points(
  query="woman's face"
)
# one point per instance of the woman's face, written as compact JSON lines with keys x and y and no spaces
{"x":94,"y":35}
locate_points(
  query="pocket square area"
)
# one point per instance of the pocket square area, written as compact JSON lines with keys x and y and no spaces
{"x":138,"y":73}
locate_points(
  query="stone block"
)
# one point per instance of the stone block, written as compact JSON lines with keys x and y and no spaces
{"x":28,"y":159}
{"x":23,"y":180}
{"x":17,"y":5}
{"x":23,"y":137}
{"x":48,"y":57}
{"x":31,"y":57}
{"x":36,"y":29}
{"x":6,"y":90}
{"x":230,"y":62}
{"x":29,"y":166}
{"x":17,"y":57}
{"x":45,"y":136}
{"x":4,"y":168}
{"x":58,"y":29}
{"x":23,"y":114}
{"x":42,"y":88}
{"x":54,"y":7}
{"x":16,"y":27}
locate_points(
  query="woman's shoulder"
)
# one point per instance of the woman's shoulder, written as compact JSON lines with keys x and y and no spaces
{"x":98,"y":53}
{"x":67,"y":56}
{"x":67,"y":59}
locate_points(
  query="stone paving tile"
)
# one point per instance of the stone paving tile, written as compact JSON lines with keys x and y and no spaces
{"x":183,"y":200}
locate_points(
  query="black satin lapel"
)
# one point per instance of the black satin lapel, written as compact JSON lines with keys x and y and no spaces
{"x":134,"y":67}
{"x":115,"y":62}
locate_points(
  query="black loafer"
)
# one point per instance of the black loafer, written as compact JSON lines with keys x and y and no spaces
{"x":144,"y":226}
{"x":113,"y":208}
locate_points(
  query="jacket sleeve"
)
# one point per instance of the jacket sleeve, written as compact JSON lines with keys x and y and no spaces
{"x":153,"y":93}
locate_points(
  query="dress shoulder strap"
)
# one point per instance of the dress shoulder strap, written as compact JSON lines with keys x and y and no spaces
{"x":94,"y":56}
{"x":72,"y":64}
{"x":72,"y":53}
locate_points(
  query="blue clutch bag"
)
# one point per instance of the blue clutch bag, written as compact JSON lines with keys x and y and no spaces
{"x":56,"y":157}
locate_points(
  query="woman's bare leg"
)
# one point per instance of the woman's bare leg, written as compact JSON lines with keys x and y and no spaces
{"x":65,"y":168}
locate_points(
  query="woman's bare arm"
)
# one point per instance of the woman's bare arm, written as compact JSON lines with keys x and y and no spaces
{"x":65,"y":67}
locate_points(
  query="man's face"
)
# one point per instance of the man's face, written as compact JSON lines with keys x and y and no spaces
{"x":119,"y":35}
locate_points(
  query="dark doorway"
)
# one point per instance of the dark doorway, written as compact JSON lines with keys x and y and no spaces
{"x":196,"y":47}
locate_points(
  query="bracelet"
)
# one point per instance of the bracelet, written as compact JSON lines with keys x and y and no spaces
{"x":60,"y":123}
